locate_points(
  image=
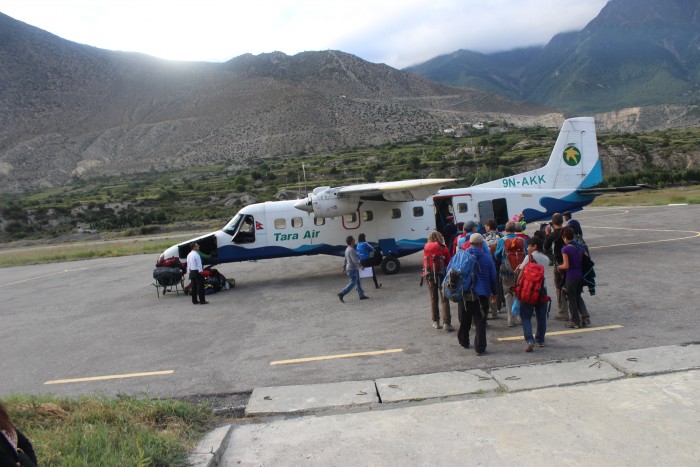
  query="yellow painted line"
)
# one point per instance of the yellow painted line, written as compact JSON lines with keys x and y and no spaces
{"x":333,"y":357}
{"x":40,"y":277}
{"x":107,"y":377}
{"x":561,"y":333}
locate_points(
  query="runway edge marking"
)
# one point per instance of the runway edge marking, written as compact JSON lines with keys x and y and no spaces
{"x":108,"y":377}
{"x":561,"y":333}
{"x":333,"y":357}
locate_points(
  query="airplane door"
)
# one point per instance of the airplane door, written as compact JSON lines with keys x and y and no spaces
{"x":486,"y":210}
{"x":464,"y":208}
{"x":458,"y":206}
{"x":494,"y":209}
{"x":443,"y":209}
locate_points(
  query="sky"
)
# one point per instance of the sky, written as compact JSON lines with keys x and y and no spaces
{"x":399,"y":33}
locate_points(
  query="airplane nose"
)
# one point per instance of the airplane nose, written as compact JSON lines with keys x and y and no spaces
{"x":304,"y":205}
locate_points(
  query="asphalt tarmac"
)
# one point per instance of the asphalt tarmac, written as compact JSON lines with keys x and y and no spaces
{"x":97,"y":327}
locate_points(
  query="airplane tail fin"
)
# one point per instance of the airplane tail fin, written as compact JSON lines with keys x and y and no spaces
{"x":574,"y":162}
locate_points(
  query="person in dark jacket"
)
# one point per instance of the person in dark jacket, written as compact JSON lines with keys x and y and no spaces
{"x":15,"y":448}
{"x":573,"y":223}
{"x":476,"y":306}
{"x":572,"y":266}
{"x":553,"y":244}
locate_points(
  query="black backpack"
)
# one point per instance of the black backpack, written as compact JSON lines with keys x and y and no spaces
{"x":587,"y":266}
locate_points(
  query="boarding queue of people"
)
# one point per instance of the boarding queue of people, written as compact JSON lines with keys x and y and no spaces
{"x":500,"y":268}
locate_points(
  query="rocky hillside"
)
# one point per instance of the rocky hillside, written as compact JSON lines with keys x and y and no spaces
{"x":635,"y":53}
{"x":71,"y":110}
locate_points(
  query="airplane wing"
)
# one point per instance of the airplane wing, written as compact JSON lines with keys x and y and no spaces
{"x":404,"y":190}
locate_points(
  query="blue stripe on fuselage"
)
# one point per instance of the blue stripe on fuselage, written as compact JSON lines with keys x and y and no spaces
{"x":233,"y":253}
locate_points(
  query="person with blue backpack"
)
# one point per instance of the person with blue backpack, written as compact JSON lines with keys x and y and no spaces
{"x":368,"y":255}
{"x":474,"y":306}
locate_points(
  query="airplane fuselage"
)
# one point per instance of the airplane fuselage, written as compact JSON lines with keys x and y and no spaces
{"x":276,"y":229}
{"x":398,"y":216}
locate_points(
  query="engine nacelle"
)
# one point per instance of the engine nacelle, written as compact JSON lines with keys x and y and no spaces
{"x":326,"y":203}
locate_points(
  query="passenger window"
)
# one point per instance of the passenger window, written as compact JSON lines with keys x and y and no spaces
{"x":418,"y":211}
{"x":352,"y":217}
{"x":319,"y":220}
{"x":395,"y":213}
{"x":297,"y":222}
{"x":367,"y":215}
{"x":462,"y":207}
{"x":280,"y":223}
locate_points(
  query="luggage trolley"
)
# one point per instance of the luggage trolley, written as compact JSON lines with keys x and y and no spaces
{"x":167,"y":278}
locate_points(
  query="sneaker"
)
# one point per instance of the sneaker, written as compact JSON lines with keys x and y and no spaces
{"x":572,"y":325}
{"x":364,"y":297}
{"x":449,"y":328}
{"x":587,"y":321}
{"x":340,"y":296}
{"x":479,"y":354}
{"x":530,"y":347}
{"x":436,"y":325}
{"x":540,"y":344}
{"x":511,"y":324}
{"x":379,"y":286}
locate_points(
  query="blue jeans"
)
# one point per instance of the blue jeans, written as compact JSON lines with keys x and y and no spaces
{"x":526,"y":312}
{"x":354,"y":275}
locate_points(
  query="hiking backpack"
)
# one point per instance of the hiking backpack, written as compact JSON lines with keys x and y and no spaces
{"x":530,"y":286}
{"x":434,"y":268}
{"x":491,"y":239}
{"x":587,"y":267}
{"x":513,"y":254}
{"x":168,"y":275}
{"x":460,"y":276}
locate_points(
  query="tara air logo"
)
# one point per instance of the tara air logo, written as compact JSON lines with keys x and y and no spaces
{"x":572,"y":156}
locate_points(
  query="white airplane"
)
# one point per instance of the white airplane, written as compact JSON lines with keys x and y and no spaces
{"x":398,"y":216}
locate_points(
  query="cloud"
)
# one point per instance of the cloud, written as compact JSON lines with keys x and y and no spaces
{"x":396,"y":32}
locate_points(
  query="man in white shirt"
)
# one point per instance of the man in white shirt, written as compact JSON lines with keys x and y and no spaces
{"x":194,"y":266}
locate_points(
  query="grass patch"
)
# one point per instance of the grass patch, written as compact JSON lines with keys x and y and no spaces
{"x":676,"y":195}
{"x":94,"y":431}
{"x":78,"y":251}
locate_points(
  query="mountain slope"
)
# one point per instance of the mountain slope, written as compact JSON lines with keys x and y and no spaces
{"x":634,"y":53}
{"x":76,"y":111}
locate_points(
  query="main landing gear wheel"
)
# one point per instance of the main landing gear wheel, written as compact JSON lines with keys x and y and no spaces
{"x":390,"y":265}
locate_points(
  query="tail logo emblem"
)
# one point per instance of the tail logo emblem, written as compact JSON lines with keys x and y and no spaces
{"x":572,"y":156}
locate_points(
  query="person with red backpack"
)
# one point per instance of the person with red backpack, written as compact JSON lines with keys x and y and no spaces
{"x":531,"y":290}
{"x":436,"y":255}
{"x":510,"y":252}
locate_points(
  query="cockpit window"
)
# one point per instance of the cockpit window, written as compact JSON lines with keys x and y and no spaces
{"x":246,"y":231}
{"x":233,"y":224}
